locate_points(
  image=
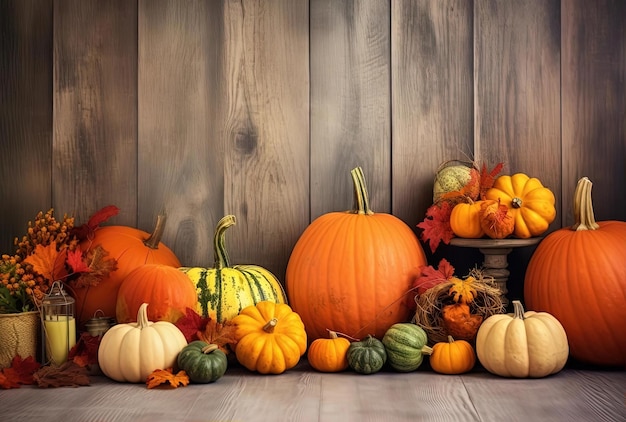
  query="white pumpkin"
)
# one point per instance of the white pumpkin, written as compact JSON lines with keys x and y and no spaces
{"x":523,"y":344}
{"x":131,"y":352}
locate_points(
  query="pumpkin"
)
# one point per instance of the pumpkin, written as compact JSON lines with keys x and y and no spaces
{"x":329,"y":354}
{"x":367,"y":356}
{"x":224,"y":290}
{"x":523,"y":344}
{"x":350,"y":270}
{"x":465,"y":220}
{"x":578,"y":274}
{"x":531,"y":204}
{"x":168,"y":291}
{"x":452,"y":181}
{"x":131,"y":352}
{"x":459,"y":322}
{"x":203,"y":362}
{"x":452,"y":357}
{"x":405,"y":344}
{"x":270,"y":337}
{"x":131,"y":248}
{"x":496,"y":219}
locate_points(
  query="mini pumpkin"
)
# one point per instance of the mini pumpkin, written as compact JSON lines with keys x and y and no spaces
{"x":367,"y":356}
{"x":496,"y":219}
{"x":131,"y":352}
{"x":465,"y":220}
{"x":405,"y":344}
{"x":203,"y":362}
{"x":452,"y":357}
{"x":531,"y":204}
{"x":329,"y":354}
{"x":270,"y":337}
{"x":523,"y":344}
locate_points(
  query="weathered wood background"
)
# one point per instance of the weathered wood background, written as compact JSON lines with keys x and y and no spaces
{"x":261,"y":108}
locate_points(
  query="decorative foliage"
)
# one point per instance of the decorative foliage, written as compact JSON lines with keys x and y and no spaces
{"x":19,"y":373}
{"x":430,"y":277}
{"x":436,"y":226}
{"x":68,"y":374}
{"x":166,"y":376}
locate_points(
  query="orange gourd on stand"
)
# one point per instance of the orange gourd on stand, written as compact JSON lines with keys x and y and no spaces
{"x":131,"y":248}
{"x":465,"y":220}
{"x":578,"y":274}
{"x":352,"y":272}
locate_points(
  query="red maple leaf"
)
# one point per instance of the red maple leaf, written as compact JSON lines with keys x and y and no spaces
{"x":436,"y":226}
{"x":487,"y":178}
{"x":192,"y":324}
{"x":19,"y":373}
{"x":75,"y":260}
{"x":430,"y":277}
{"x":85,"y":351}
{"x":87,"y":230}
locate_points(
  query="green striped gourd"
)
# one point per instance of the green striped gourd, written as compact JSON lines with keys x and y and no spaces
{"x":405,"y":344}
{"x":224,"y":290}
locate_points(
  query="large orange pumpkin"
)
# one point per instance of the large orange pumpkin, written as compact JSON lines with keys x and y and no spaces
{"x":578,"y":275}
{"x":131,"y":248}
{"x":351,"y":272}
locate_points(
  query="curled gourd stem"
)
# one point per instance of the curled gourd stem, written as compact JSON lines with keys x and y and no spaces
{"x":361,"y":197}
{"x":583,"y":206}
{"x":209,"y":348}
{"x":155,"y":238}
{"x":271,"y":324}
{"x":518,"y":309}
{"x":219,"y":242}
{"x":142,"y":316}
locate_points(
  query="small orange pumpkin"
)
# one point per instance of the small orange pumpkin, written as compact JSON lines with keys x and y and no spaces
{"x":168,"y":291}
{"x":496,"y":219}
{"x":329,"y":354}
{"x":465,"y":220}
{"x":452,"y":357}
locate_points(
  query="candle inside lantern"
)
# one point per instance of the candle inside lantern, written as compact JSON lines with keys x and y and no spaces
{"x":60,"y":337}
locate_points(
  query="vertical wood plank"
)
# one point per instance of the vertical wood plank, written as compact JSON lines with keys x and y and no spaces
{"x":594,"y":104}
{"x":266,"y":132}
{"x":350,"y":103}
{"x":182,"y":107}
{"x":25,"y":115}
{"x":517,"y":98}
{"x":95,"y":108}
{"x":432,"y":104}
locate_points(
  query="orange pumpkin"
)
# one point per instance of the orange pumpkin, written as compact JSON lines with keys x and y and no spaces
{"x":578,"y":275}
{"x":465,"y":220}
{"x":496,"y":219}
{"x":352,"y":271}
{"x":452,"y":357}
{"x":329,"y":354}
{"x":168,"y":291}
{"x":131,"y":248}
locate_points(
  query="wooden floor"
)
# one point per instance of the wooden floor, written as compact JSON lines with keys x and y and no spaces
{"x":574,"y":394}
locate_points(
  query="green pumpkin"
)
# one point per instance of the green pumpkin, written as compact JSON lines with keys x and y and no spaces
{"x":405,"y":343}
{"x":202,"y":362}
{"x":224,"y":290}
{"x":367,"y":356}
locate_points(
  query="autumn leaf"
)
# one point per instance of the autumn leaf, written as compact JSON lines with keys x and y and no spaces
{"x":99,"y":267}
{"x":436,"y":226}
{"x":87,"y":230}
{"x":75,"y":260}
{"x":9,"y":379}
{"x":45,"y":261}
{"x":221,"y":334}
{"x":191,"y":324}
{"x":69,"y":374}
{"x":166,"y":376}
{"x":487,"y":178}
{"x":430,"y":277}
{"x":25,"y":368}
{"x":85,"y":351}
{"x":462,"y":291}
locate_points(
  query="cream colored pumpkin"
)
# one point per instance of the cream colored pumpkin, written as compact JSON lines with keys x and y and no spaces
{"x":131,"y":352}
{"x":523,"y":344}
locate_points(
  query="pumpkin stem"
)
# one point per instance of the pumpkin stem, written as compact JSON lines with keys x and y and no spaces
{"x":516,"y":202}
{"x":332,"y":334}
{"x":209,"y":348}
{"x":155,"y":238}
{"x":142,"y":316}
{"x":427,"y":350}
{"x":583,"y":206}
{"x":518,"y":309}
{"x":450,"y":339}
{"x":271,"y":324}
{"x":361,"y":198}
{"x":219,"y":243}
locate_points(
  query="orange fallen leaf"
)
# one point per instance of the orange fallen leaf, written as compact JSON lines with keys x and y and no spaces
{"x":166,"y":376}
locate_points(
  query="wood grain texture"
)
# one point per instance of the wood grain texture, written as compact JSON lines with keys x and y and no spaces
{"x":350,"y":103}
{"x":594,"y":104}
{"x":95,"y":108}
{"x":181,"y":109}
{"x":25,"y":115}
{"x":266,"y":128}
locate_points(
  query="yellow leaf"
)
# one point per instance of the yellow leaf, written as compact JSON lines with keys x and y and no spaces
{"x":462,"y":291}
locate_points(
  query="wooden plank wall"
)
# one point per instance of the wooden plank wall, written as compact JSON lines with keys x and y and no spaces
{"x":261,"y":108}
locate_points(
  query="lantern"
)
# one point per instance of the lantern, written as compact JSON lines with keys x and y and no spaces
{"x":59,"y":325}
